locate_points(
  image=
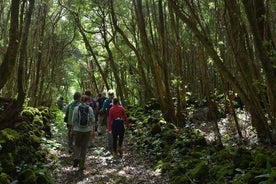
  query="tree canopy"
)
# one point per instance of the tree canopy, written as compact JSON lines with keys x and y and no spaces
{"x":176,"y":51}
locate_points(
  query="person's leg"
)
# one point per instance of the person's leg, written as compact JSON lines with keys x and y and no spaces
{"x":70,"y":138}
{"x":109,"y":137}
{"x":85,"y":137}
{"x":115,"y":136}
{"x":121,"y":133}
{"x":77,"y":150}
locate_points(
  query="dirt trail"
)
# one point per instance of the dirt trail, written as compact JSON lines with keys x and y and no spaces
{"x":103,"y":168}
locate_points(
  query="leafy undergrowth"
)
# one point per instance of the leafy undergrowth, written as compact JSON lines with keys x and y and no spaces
{"x":187,"y":154}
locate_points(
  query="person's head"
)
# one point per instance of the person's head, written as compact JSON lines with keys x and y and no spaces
{"x":85,"y":99}
{"x":88,"y":93}
{"x":115,"y":101}
{"x":110,"y":93}
{"x":77,"y":96}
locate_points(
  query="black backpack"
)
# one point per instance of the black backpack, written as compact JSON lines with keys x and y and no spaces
{"x":83,"y":115}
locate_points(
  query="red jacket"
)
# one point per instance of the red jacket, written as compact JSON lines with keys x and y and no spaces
{"x":117,"y":111}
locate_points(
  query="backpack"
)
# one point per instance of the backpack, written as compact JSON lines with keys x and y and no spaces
{"x":83,"y":115}
{"x":109,"y":102}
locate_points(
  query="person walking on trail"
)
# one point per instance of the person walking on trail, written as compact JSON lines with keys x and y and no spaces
{"x":116,"y":120}
{"x":83,"y":128}
{"x":105,"y":110}
{"x":92,"y":103}
{"x":102,"y":125}
{"x":68,"y":118}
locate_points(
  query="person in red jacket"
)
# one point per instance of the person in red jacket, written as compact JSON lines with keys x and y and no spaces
{"x":117,"y":118}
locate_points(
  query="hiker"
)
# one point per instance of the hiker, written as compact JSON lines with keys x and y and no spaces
{"x":102,"y":125}
{"x":83,"y":127}
{"x":117,"y":119}
{"x":105,"y":110}
{"x":68,"y":118}
{"x":92,"y":103}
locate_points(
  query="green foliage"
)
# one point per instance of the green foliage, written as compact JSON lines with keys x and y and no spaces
{"x":5,"y":178}
{"x":7,"y":163}
{"x":186,"y":157}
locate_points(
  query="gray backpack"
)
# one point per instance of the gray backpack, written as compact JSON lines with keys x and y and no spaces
{"x":83,"y":115}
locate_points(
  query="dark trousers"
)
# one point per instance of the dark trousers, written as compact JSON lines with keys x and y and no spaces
{"x":81,"y":144}
{"x":70,"y":136}
{"x":118,"y":130}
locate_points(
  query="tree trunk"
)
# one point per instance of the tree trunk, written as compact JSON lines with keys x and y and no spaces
{"x":9,"y":60}
{"x":23,"y":54}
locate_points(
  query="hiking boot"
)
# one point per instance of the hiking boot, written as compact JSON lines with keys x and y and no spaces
{"x":76,"y":163}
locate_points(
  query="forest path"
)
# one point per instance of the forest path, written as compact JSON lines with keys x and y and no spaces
{"x":102,"y":168}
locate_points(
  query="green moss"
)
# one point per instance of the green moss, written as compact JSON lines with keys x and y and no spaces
{"x":27,"y":176}
{"x":222,"y":156}
{"x":242,"y":158}
{"x":254,"y":176}
{"x":5,"y":179}
{"x":28,"y":113}
{"x":23,"y":127}
{"x":155,"y":129}
{"x":260,"y":160}
{"x":180,"y":179}
{"x":200,"y":171}
{"x":43,"y":177}
{"x":169,"y":136}
{"x":9,"y":136}
{"x":7,"y":163}
{"x":221,"y":172}
{"x":38,"y":122}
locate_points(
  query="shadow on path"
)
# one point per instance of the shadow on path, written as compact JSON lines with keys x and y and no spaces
{"x":102,"y":168}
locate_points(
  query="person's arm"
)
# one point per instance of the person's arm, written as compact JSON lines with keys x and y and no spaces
{"x":74,"y":118}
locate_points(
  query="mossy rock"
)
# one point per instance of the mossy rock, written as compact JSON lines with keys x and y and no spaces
{"x":242,"y":158}
{"x":197,"y":139}
{"x":5,"y":178}
{"x":7,"y":163}
{"x":43,"y":177}
{"x":222,"y":156}
{"x":260,"y":160}
{"x":255,"y":176}
{"x":180,"y":179}
{"x":23,"y":127}
{"x":29,"y":113}
{"x":9,"y":136}
{"x":221,"y":172}
{"x":155,"y":129}
{"x":200,"y":172}
{"x":169,"y":136}
{"x":27,"y":176}
{"x":38,"y":122}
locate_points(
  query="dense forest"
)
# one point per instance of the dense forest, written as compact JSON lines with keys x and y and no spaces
{"x":181,"y":68}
